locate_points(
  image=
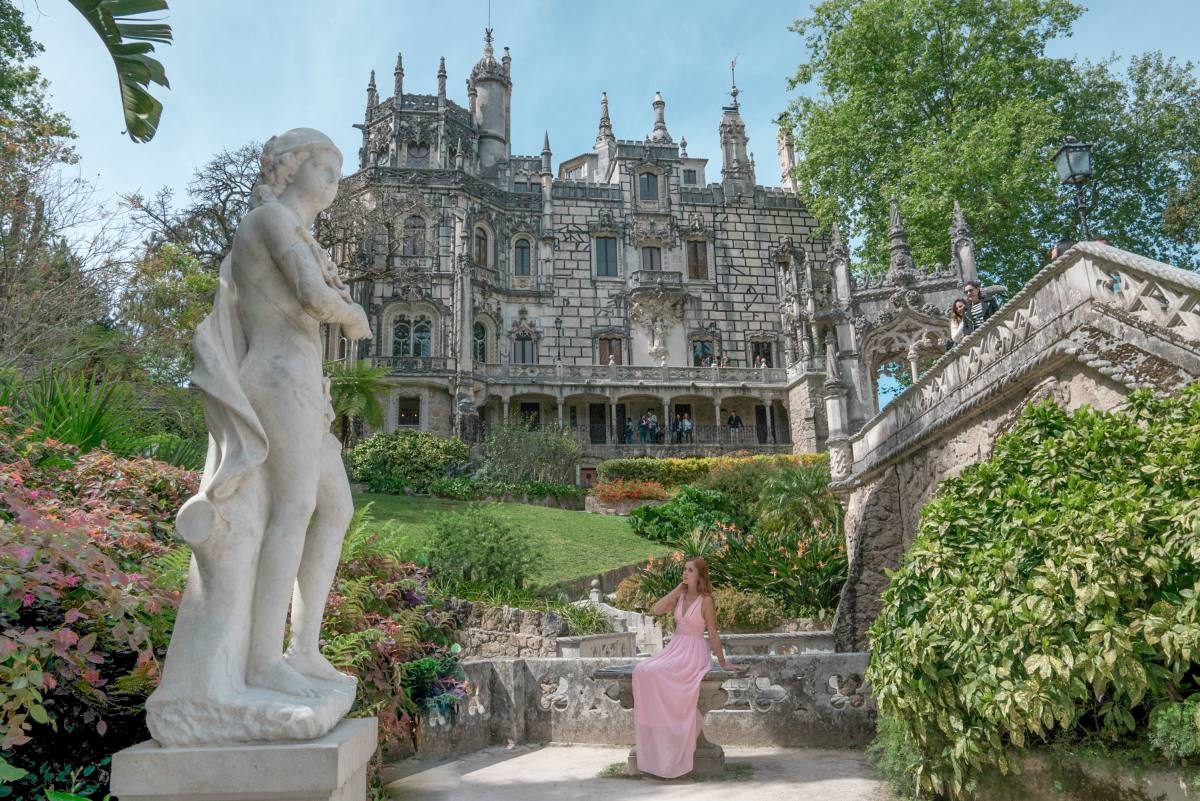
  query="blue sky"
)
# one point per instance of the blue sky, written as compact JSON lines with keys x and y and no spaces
{"x":242,"y":70}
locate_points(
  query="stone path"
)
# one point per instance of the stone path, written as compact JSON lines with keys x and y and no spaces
{"x":572,"y":772}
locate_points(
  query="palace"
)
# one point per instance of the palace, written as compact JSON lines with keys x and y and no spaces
{"x":634,"y":278}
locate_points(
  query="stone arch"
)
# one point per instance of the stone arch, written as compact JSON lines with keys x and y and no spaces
{"x":907,"y":333}
{"x":412,"y":329}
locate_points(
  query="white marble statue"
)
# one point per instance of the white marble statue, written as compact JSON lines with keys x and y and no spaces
{"x":267,"y":525}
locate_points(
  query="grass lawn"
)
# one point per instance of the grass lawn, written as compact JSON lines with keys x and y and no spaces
{"x":569,"y":544}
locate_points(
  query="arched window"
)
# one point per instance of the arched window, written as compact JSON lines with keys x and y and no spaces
{"x":520,"y":186}
{"x":422,"y":338}
{"x":402,"y":338}
{"x":480,"y":343}
{"x":521,"y":265}
{"x":481,"y":247}
{"x":418,"y":154}
{"x":413,"y":243}
{"x":524,"y":349}
{"x":648,"y":186}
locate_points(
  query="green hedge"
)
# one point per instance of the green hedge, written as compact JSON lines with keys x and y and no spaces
{"x":400,"y":461}
{"x":482,"y":489}
{"x":1052,"y":590}
{"x":676,"y":472}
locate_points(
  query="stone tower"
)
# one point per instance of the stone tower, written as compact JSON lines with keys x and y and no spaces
{"x":737,"y":168}
{"x":490,"y":87}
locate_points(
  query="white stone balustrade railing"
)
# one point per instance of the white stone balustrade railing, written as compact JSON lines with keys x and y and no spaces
{"x":629,"y":375}
{"x":777,"y":643}
{"x":1047,"y":319}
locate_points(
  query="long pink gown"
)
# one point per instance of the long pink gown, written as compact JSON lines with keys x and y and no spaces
{"x":666,"y":688}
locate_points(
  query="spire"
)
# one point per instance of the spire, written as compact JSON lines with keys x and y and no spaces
{"x":659,"y":134}
{"x":488,"y":67}
{"x":683,"y":146}
{"x":837,"y":259}
{"x":507,"y":62}
{"x":605,"y":133}
{"x":546,"y":153}
{"x":901,"y":260}
{"x":372,"y":93}
{"x":398,"y":73}
{"x":441,"y":77}
{"x":487,"y":42}
{"x":737,"y":168}
{"x":962,"y":246}
{"x":837,"y":247}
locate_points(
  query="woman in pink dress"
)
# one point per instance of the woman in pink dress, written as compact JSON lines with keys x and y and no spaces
{"x":666,"y":687}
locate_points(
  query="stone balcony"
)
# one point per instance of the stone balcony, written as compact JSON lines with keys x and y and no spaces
{"x":656,"y":279}
{"x":513,"y":284}
{"x":414,"y":365}
{"x":622,"y":375}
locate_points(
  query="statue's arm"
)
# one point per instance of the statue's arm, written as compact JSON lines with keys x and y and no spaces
{"x":296,"y":260}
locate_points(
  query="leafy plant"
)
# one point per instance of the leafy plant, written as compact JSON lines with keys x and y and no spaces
{"x":80,"y":411}
{"x":690,"y":509}
{"x":1054,"y":588}
{"x":354,"y":393}
{"x":744,"y":611}
{"x":400,"y":461}
{"x":620,"y":491}
{"x":673,"y":473}
{"x":515,"y":453}
{"x":1175,"y":728}
{"x":477,"y":547}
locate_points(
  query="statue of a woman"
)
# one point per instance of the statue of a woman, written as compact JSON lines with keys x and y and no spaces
{"x":267,"y":525}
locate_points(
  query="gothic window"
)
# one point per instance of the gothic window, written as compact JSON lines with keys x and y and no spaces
{"x":521,"y":263}
{"x":703,"y":352}
{"x":651,"y":258}
{"x":422,"y":338}
{"x":606,"y":256}
{"x":413,"y":243}
{"x":609,"y":347}
{"x":479,"y":343}
{"x":524,"y":351}
{"x":761,"y":351}
{"x":689,"y":177}
{"x":697,"y":259}
{"x":418,"y":154}
{"x":408,"y":412}
{"x":481,"y":247}
{"x":402,"y":338}
{"x":520,"y":186}
{"x":648,"y":186}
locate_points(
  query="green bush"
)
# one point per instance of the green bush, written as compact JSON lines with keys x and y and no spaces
{"x":1175,"y":729}
{"x":741,"y":481}
{"x":743,"y":611}
{"x":482,"y":489}
{"x":400,"y":461}
{"x":515,"y":453}
{"x":691,"y":508}
{"x":894,"y":755}
{"x":1052,"y":589}
{"x":477,"y":547}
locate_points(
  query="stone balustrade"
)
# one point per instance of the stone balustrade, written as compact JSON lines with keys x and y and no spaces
{"x":624,"y":375}
{"x":803,"y":700}
{"x":591,"y":646}
{"x":777,"y":643}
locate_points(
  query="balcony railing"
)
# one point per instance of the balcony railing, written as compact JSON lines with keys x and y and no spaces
{"x":626,"y":374}
{"x":749,"y":437}
{"x":512,"y":283}
{"x":414,"y":365}
{"x":657,"y":279}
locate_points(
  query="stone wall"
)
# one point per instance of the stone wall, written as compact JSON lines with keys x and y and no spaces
{"x":489,"y":631}
{"x":806,"y":700}
{"x":1066,"y":336}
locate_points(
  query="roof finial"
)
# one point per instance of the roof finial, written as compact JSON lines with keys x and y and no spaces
{"x":733,"y":91}
{"x":660,"y":135}
{"x":546,"y":143}
{"x":902,"y":265}
{"x":605,"y":132}
{"x":837,"y":246}
{"x":487,"y":36}
{"x":683,"y":146}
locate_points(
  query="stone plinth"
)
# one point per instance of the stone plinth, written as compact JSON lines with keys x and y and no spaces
{"x":709,"y":759}
{"x":331,"y":768}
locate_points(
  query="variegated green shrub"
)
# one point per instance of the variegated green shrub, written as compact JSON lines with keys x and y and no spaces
{"x":1052,"y":589}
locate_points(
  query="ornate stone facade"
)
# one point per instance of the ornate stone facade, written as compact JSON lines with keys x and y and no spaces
{"x":591,"y":295}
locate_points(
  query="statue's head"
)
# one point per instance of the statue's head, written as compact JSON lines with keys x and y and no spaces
{"x":301,"y":155}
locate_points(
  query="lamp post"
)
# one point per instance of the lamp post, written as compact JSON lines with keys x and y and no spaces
{"x":558,"y":339}
{"x":1073,"y":161}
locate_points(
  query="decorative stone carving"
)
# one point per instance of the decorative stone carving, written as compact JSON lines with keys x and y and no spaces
{"x":254,"y":531}
{"x":846,"y":691}
{"x":657,"y":312}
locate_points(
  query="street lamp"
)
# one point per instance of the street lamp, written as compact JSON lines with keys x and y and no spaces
{"x":558,"y":339}
{"x":1074,"y":164}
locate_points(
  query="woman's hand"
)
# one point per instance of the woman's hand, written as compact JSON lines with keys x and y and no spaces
{"x":726,"y":666}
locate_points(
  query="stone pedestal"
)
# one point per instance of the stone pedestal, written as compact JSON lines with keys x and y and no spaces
{"x":331,"y":768}
{"x":709,"y":759}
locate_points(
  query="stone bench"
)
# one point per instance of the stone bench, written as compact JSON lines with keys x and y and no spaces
{"x":709,"y":759}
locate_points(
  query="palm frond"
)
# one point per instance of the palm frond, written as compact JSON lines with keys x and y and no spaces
{"x":130,"y":42}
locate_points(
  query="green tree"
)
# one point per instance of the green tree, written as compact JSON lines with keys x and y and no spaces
{"x":354,"y":391}
{"x":942,"y":100}
{"x":129,"y":38}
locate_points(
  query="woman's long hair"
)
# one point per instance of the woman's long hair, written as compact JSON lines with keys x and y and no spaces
{"x":703,"y":582}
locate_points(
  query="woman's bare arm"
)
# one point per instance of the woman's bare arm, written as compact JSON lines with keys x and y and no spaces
{"x":667,"y":602}
{"x":709,"y":610}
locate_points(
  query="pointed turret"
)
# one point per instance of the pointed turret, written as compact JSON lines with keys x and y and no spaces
{"x":491,"y":92}
{"x":737,"y":168}
{"x":660,"y":135}
{"x":546,"y":153}
{"x":604,"y":134}
{"x":398,"y":75}
{"x":837,"y":259}
{"x":901,"y":266}
{"x":962,"y":246}
{"x":372,"y":92}
{"x":441,"y":78}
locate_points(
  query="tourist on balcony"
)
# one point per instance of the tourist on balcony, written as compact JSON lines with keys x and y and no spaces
{"x":629,"y":431}
{"x":652,"y":427}
{"x":979,"y":307}
{"x":686,"y":426}
{"x":961,"y":323}
{"x":735,"y":426}
{"x":666,"y":687}
{"x":677,"y":429}
{"x":644,"y":427}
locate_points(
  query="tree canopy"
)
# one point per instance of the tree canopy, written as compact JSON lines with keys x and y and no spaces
{"x":943,"y":100}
